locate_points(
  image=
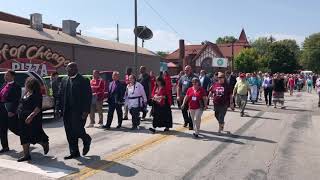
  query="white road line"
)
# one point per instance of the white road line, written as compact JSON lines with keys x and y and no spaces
{"x":36,"y":169}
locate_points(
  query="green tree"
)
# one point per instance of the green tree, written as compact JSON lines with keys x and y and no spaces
{"x":310,"y":57}
{"x":262,"y":45}
{"x":162,"y":54}
{"x":282,"y":58}
{"x":226,"y":39}
{"x":247,"y":60}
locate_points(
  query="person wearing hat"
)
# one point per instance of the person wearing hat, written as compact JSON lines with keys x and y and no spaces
{"x":241,"y":91}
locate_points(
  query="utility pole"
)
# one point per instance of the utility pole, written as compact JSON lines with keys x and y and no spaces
{"x":118,"y":32}
{"x":135,"y":59}
{"x":232,"y":56}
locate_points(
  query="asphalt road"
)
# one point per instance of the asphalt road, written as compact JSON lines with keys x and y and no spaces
{"x":267,"y":143}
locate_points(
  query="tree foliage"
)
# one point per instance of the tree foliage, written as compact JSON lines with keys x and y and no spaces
{"x":282,"y":58}
{"x":162,"y":54}
{"x":310,"y":57}
{"x":226,"y":39}
{"x":268,"y":55}
{"x":247,"y":60}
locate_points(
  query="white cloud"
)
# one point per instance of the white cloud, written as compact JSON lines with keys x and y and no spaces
{"x":281,"y":36}
{"x":162,"y":40}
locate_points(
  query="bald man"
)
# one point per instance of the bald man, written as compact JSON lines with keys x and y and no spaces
{"x":76,"y":98}
{"x":184,"y":83}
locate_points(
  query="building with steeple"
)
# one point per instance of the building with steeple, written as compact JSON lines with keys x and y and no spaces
{"x":205,"y":55}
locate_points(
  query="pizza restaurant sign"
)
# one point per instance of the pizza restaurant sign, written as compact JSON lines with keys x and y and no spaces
{"x":31,"y":58}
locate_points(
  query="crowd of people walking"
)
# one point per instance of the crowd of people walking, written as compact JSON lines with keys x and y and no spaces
{"x":76,"y":98}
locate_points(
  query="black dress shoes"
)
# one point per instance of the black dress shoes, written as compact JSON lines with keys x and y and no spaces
{"x":185,"y":125}
{"x":152,"y":130}
{"x":106,"y":127}
{"x":72,"y":156}
{"x":46,"y":148}
{"x":4,"y":150}
{"x":24,"y":158}
{"x":86,"y":147}
{"x":118,"y":127}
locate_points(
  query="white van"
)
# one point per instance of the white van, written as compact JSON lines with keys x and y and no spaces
{"x":306,"y":73}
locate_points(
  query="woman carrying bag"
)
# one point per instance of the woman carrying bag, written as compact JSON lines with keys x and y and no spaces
{"x":197,"y":102}
{"x":161,"y":101}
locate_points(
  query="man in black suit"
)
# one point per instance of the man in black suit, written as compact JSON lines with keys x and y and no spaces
{"x":115,"y":100}
{"x":10,"y":95}
{"x":76,"y":101}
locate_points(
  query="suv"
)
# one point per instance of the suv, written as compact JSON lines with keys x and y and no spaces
{"x":21,"y":76}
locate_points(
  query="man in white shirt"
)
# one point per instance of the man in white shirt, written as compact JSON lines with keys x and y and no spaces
{"x":136,"y":100}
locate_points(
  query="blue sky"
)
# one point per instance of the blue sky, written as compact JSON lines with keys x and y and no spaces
{"x":193,"y":20}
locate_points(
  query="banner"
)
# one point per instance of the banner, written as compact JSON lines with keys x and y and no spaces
{"x":220,"y":62}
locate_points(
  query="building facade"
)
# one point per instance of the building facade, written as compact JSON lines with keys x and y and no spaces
{"x":207,"y":56}
{"x":48,"y":49}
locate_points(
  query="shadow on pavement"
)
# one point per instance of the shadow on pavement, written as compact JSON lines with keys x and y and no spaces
{"x":96,"y":163}
{"x":202,"y":137}
{"x":250,"y":138}
{"x":267,"y":118}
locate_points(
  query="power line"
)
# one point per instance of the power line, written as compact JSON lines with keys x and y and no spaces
{"x":164,"y":20}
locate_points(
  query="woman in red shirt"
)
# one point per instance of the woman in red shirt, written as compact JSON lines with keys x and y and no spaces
{"x":197,"y":102}
{"x":162,"y":115}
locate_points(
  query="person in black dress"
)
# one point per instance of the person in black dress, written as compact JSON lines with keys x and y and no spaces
{"x":162,"y":115}
{"x":30,"y":119}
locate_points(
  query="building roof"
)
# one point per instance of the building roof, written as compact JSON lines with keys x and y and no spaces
{"x":189,"y":49}
{"x":223,"y":50}
{"x":243,"y":37}
{"x":22,"y":30}
{"x":21,"y":20}
{"x":226,"y":49}
{"x":213,"y":46}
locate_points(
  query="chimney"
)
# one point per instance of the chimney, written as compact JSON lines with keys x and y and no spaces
{"x":70,"y":27}
{"x":36,"y":21}
{"x":182,"y":52}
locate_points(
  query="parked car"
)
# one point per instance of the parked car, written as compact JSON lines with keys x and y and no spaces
{"x":47,"y":80}
{"x":21,"y":76}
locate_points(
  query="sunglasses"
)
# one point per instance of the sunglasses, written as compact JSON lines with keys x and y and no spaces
{"x":220,"y":77}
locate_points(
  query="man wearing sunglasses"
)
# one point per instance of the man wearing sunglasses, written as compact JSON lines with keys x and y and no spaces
{"x":221,"y":92}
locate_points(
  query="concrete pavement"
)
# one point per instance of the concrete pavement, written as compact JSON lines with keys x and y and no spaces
{"x":268,"y":143}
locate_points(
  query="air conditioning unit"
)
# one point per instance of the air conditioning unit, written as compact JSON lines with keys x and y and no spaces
{"x":36,"y":21}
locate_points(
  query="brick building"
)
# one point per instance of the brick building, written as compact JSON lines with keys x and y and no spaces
{"x":208,"y":56}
